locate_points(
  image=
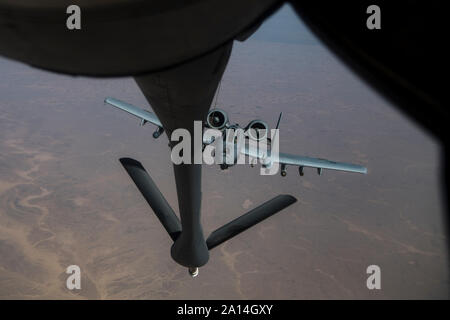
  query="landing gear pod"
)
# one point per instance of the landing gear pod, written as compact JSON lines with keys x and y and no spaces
{"x":301,"y":171}
{"x":283,"y":170}
{"x":158,"y":132}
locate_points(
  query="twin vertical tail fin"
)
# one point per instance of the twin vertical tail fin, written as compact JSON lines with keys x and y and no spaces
{"x":279,"y":119}
{"x":172,"y":224}
{"x":277,"y":127}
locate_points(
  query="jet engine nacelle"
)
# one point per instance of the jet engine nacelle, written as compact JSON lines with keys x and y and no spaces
{"x":257,"y":130}
{"x":217,"y":119}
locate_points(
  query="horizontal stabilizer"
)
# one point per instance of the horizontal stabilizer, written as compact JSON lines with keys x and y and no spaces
{"x":249,"y":219}
{"x":154,"y":197}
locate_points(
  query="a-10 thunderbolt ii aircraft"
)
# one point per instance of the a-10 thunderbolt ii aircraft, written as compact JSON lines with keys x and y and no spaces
{"x":256,"y":131}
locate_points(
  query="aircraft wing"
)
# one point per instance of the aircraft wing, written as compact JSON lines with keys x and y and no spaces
{"x":290,"y":159}
{"x":144,"y":115}
{"x":301,"y":161}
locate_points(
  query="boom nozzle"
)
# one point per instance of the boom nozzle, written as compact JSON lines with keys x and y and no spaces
{"x":193,"y":272}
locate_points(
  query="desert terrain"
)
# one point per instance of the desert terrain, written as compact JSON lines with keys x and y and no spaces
{"x":65,"y":199}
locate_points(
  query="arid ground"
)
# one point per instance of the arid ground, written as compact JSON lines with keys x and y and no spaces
{"x":65,"y":199}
